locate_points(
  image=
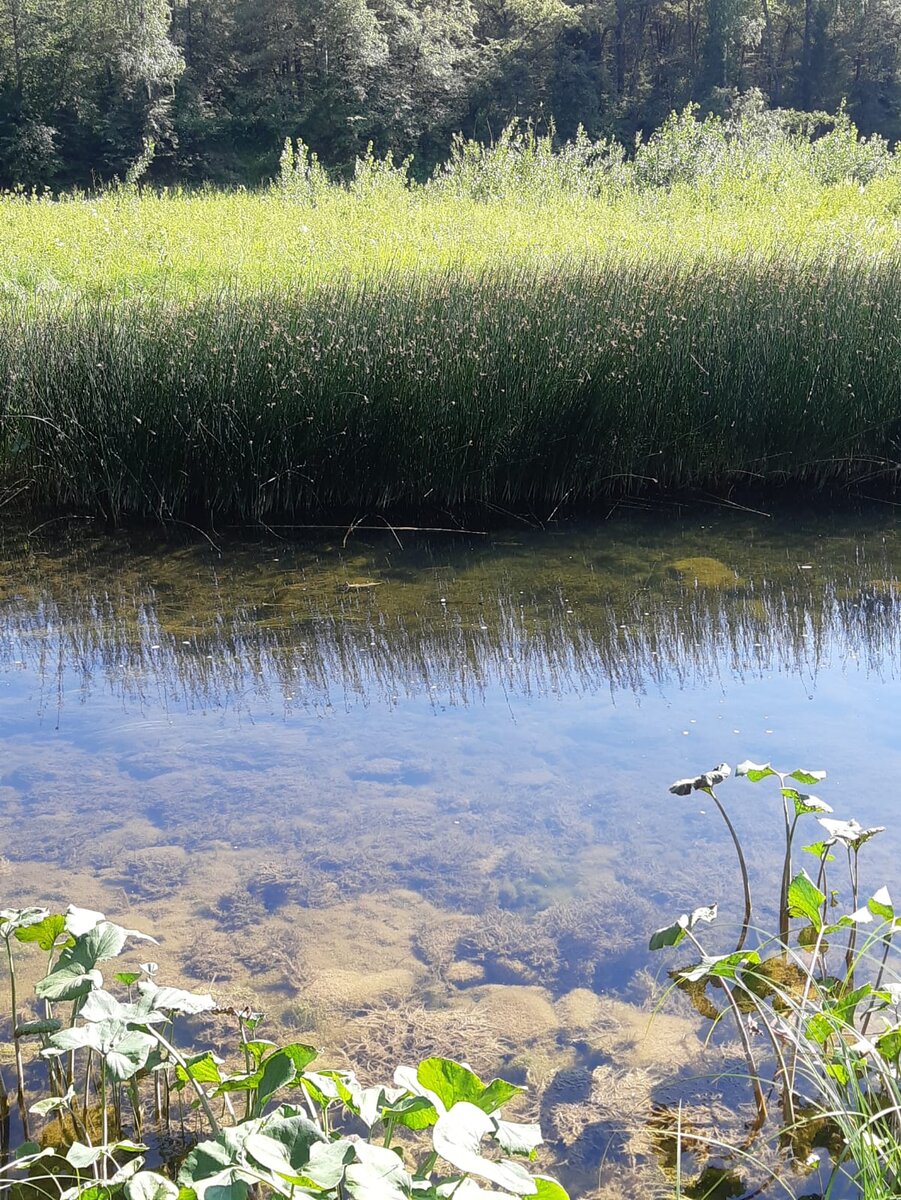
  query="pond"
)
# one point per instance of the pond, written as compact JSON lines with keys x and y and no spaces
{"x":408,"y":794}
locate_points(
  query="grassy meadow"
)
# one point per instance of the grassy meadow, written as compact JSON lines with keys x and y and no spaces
{"x":533,"y":325}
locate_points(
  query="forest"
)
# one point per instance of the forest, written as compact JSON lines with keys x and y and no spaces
{"x":217,"y":85}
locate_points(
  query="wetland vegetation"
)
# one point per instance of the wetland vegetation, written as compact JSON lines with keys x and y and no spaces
{"x":533,"y":327}
{"x":227,"y":747}
{"x":267,"y":1127}
{"x":125,"y":1082}
{"x":808,"y":994}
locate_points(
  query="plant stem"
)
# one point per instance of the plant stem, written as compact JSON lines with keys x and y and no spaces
{"x":247,"y":1064}
{"x":311,"y":1107}
{"x":879,"y":978}
{"x":853,"y":869}
{"x":4,"y":1121}
{"x":201,"y":1094}
{"x":743,"y":867}
{"x":137,"y":1117}
{"x":759,"y":1098}
{"x":786,"y":874}
{"x":104,"y":1115}
{"x":17,"y":1046}
{"x":89,"y":1057}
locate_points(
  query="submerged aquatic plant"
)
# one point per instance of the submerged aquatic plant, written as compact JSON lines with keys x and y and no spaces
{"x":276,"y":1126}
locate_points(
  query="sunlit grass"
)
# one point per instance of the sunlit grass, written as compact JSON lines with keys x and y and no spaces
{"x":185,"y":245}
{"x":527,"y":343}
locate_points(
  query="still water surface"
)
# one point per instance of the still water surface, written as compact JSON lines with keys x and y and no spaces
{"x":412,"y":798}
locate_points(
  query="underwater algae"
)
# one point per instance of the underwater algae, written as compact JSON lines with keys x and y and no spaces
{"x":464,"y":862}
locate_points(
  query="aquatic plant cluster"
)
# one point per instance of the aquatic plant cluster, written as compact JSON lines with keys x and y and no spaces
{"x":133,"y":1106}
{"x":822,"y":997}
{"x":272,"y":1126}
{"x":537,"y":325}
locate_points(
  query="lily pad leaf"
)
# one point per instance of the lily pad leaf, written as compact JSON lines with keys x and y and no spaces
{"x":278,"y":1070}
{"x":673,"y":934}
{"x":129,"y":1054}
{"x":30,"y":1028}
{"x":125,"y":1051}
{"x":452,"y":1082}
{"x":80,"y":920}
{"x":45,"y":932}
{"x":378,"y":1174}
{"x":213,"y":1163}
{"x":808,"y":778}
{"x":709,"y":779}
{"x":285,"y":1145}
{"x":806,"y":900}
{"x":177,"y":1000}
{"x":102,"y":1006}
{"x":497,"y":1093}
{"x":516,"y":1138}
{"x":845,"y":1008}
{"x":258,"y":1049}
{"x":850,"y":833}
{"x":407,"y":1078}
{"x":52,"y":1103}
{"x":230,"y":1184}
{"x":719,"y":966}
{"x":715,"y":777}
{"x":80,"y":1156}
{"x":273,"y":1156}
{"x":296,"y":1133}
{"x":68,"y":983}
{"x":74,"y":974}
{"x":414,"y":1112}
{"x":302,"y":1055}
{"x":754,"y":771}
{"x":818,"y":850}
{"x":889,"y":1043}
{"x":28,"y":1153}
{"x":880,"y":905}
{"x":327,"y":1162}
{"x":148,"y":1185}
{"x":203,"y":1068}
{"x":550,"y":1189}
{"x":449,"y":1080}
{"x":805,"y":803}
{"x":14,"y":919}
{"x":457,"y":1138}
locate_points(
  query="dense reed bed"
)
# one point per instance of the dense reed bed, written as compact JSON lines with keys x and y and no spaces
{"x":528,"y":328}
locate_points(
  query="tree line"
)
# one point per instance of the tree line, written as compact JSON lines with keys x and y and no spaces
{"x":217,"y":85}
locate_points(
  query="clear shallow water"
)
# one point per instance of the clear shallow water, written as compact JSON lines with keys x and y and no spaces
{"x":414,"y":797}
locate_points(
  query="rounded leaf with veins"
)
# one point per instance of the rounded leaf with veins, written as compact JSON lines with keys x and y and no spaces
{"x":457,"y":1137}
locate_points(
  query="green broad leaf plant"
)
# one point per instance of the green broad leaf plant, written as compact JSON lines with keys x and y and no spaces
{"x":123,"y":1065}
{"x":816,"y":1004}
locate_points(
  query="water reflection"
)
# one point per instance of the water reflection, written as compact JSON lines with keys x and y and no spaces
{"x":412,"y":796}
{"x":317,"y":625}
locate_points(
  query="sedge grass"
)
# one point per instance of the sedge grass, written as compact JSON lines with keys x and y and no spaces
{"x":386,"y":346}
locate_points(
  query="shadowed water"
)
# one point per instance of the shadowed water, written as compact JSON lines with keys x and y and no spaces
{"x":413,"y":797}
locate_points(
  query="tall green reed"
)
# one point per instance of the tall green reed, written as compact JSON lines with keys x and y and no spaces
{"x":521,"y":386}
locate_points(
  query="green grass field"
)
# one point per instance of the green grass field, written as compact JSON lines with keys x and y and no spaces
{"x":532,"y":326}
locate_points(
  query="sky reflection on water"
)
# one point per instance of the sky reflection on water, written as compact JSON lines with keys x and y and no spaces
{"x":460,"y":731}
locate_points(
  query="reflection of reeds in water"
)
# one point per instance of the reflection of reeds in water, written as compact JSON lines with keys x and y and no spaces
{"x":168,"y":631}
